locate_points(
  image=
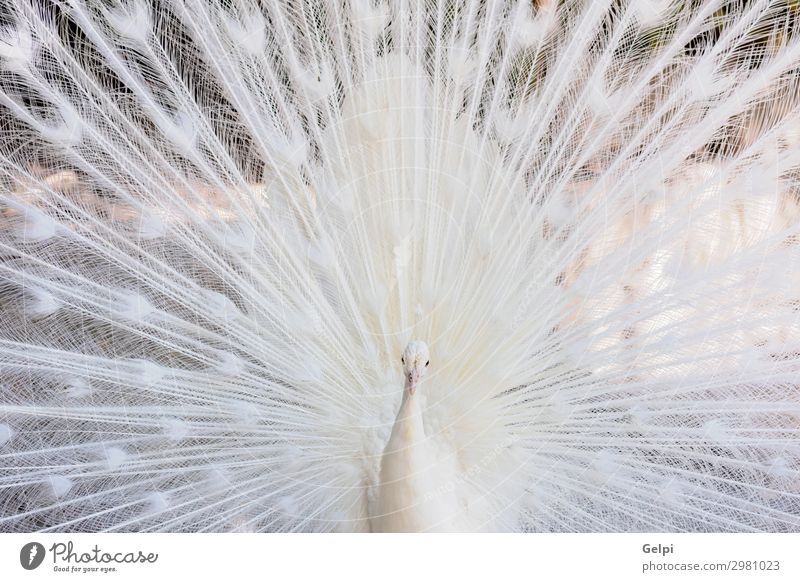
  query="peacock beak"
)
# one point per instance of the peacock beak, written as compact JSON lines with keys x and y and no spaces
{"x":413,"y":380}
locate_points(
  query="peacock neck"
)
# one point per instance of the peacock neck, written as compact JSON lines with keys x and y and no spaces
{"x":409,"y":417}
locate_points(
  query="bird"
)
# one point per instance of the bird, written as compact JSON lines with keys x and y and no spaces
{"x":390,"y":266}
{"x":412,"y":490}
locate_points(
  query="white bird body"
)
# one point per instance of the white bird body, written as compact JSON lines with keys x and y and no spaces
{"x":222,"y":222}
{"x":415,"y":494}
{"x":418,"y":483}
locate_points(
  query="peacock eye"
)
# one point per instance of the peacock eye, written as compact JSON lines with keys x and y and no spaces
{"x":426,"y":363}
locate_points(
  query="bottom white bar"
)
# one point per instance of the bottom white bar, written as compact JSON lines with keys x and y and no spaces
{"x":548,"y":557}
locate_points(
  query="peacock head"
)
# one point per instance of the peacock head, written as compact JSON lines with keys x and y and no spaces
{"x":415,"y":360}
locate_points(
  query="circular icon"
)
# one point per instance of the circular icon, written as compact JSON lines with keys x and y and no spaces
{"x":31,"y":555}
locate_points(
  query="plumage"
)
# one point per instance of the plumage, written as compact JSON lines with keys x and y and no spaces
{"x":221,"y":223}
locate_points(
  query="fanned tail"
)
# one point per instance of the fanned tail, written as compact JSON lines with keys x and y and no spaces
{"x":221,"y":223}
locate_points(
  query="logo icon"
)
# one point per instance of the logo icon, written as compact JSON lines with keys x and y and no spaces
{"x":31,"y":555}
